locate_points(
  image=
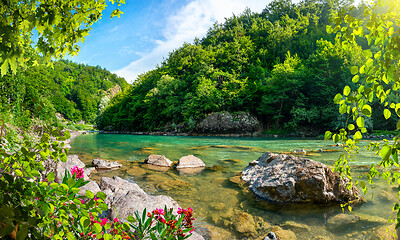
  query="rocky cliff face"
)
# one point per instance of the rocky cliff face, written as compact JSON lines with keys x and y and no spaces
{"x":225,"y":122}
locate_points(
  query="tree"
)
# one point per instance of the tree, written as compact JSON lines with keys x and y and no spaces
{"x":55,"y":27}
{"x":376,"y":79}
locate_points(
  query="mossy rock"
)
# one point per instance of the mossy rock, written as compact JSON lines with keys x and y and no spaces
{"x":244,"y":224}
{"x":282,"y":234}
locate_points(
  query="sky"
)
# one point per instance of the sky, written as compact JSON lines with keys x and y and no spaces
{"x":148,"y":30}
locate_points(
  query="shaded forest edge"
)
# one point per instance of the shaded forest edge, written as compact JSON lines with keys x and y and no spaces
{"x":279,"y":65}
{"x":61,"y":93}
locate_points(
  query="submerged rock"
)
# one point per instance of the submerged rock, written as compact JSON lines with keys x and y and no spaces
{"x":284,"y":178}
{"x":342,"y":221}
{"x":105,"y":165}
{"x":190,"y":161}
{"x":158,"y":160}
{"x":244,"y":223}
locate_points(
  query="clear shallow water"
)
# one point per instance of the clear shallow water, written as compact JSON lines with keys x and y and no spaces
{"x":216,"y":199}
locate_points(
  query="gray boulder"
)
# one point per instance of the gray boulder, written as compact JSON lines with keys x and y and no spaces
{"x":105,"y":165}
{"x":225,"y":122}
{"x":124,"y":198}
{"x":284,"y":178}
{"x":190,"y":161}
{"x":158,"y":160}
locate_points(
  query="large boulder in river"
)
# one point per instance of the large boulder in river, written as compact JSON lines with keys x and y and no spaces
{"x":225,"y":122}
{"x":284,"y":178}
{"x":158,"y":160}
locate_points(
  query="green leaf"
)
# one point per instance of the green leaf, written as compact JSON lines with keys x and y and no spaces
{"x":387,"y":113}
{"x":131,"y":219}
{"x":370,"y":62}
{"x":22,"y":232}
{"x":366,"y":110}
{"x":101,"y":195}
{"x":346,"y":90}
{"x":355,"y":79}
{"x":97,"y":227}
{"x":337,"y":98}
{"x":4,"y":67}
{"x":125,"y":226}
{"x":360,"y":122}
{"x":70,"y":236}
{"x":354,"y":70}
{"x":378,"y":55}
{"x":351,"y":127}
{"x":89,"y":194}
{"x":386,"y":152}
{"x":328,"y":135}
{"x":50,"y":177}
{"x":67,"y":134}
{"x":367,"y":53}
{"x":336,"y":138}
{"x":398,"y":125}
{"x":357,"y":135}
{"x":329,"y":29}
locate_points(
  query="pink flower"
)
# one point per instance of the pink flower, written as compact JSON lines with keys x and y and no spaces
{"x":103,"y":221}
{"x":116,"y":220}
{"x":78,"y":172}
{"x":158,"y":211}
{"x":82,"y":201}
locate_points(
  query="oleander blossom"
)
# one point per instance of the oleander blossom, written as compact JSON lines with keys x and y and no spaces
{"x":77,"y":171}
{"x":187,"y":219}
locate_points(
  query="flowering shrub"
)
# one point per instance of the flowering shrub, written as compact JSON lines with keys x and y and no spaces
{"x":44,"y":209}
{"x":160,"y":224}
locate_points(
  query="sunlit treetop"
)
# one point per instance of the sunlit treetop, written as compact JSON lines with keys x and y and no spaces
{"x":53,"y":27}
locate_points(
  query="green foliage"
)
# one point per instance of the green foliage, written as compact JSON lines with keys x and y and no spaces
{"x":377,"y":84}
{"x":32,"y":204}
{"x":280,"y":65}
{"x":73,"y":90}
{"x":59,"y":26}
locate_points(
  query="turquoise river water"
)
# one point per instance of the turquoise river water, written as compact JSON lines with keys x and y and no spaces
{"x":215,"y":197}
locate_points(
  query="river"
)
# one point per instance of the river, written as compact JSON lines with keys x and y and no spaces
{"x":216,"y":200}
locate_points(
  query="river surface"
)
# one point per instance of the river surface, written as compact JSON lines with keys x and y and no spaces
{"x":217,"y":200}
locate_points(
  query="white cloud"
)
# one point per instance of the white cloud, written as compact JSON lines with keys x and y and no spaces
{"x":192,"y":20}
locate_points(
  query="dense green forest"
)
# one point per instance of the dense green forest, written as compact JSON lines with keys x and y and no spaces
{"x":281,"y":65}
{"x":76,"y":91}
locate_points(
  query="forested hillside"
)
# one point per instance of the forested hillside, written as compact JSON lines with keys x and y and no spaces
{"x":281,"y":65}
{"x":76,"y":91}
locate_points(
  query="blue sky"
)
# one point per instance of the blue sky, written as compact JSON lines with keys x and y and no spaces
{"x":149,"y":29}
